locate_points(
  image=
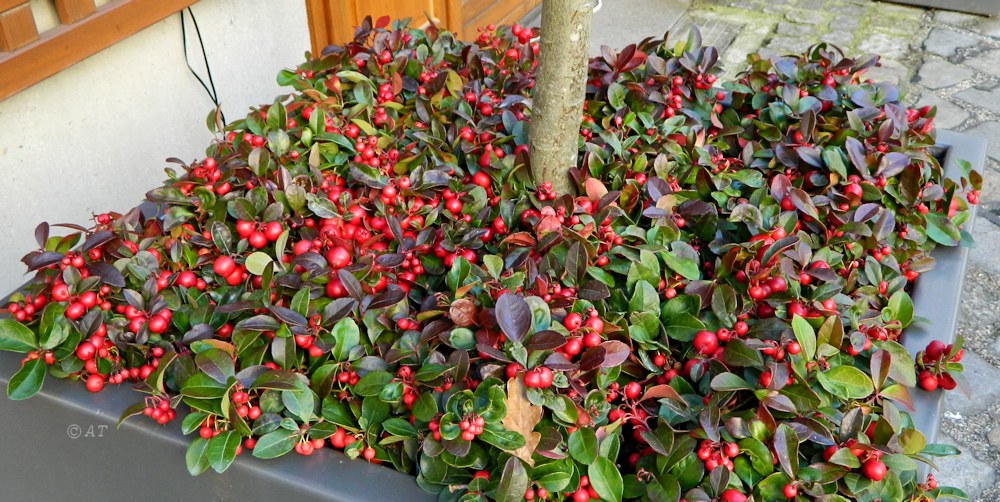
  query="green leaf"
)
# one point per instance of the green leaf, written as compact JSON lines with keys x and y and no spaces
{"x":806,"y":337}
{"x":786,"y":445}
{"x":583,"y":445}
{"x":902,"y":305}
{"x":275,"y":444}
{"x":202,"y":386}
{"x":216,"y":363}
{"x":51,"y":330}
{"x":372,"y":383}
{"x":300,"y":302}
{"x":502,"y":438}
{"x":738,"y":353}
{"x":728,"y":381}
{"x":493,"y":264}
{"x":399,"y":427}
{"x":724,"y":304}
{"x":221,"y":450}
{"x":683,"y":327}
{"x":27,"y":381}
{"x":942,"y":230}
{"x":425,"y":408}
{"x":846,"y":382}
{"x":257,"y":262}
{"x":606,"y":479}
{"x":644,"y":299}
{"x":901,"y":363}
{"x":196,"y":458}
{"x":760,"y":455}
{"x":616,"y":95}
{"x":300,"y":402}
{"x":912,"y":441}
{"x":513,"y":481}
{"x":940,"y":450}
{"x":347,"y":336}
{"x":687,"y":267}
{"x":16,"y":337}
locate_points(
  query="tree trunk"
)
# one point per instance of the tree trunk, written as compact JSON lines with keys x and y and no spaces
{"x":560,"y":89}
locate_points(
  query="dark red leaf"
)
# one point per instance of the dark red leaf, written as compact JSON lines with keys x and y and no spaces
{"x":616,"y":353}
{"x":545,"y":340}
{"x":513,"y":316}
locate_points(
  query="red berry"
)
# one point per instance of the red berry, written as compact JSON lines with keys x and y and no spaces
{"x":874,"y":469}
{"x":790,"y":491}
{"x":573,"y":321}
{"x":705,"y":342}
{"x":533,"y":379}
{"x":633,"y":390}
{"x":338,"y":257}
{"x":95,"y":383}
{"x":86,"y":351}
{"x":273,"y":230}
{"x":732,"y":495}
{"x":928,"y":381}
{"x":946,"y":381}
{"x":224,"y":266}
{"x":257,"y":239}
{"x":157,"y":324}
{"x":935,"y":349}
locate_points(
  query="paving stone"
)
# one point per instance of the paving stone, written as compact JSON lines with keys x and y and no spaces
{"x":811,"y":4}
{"x":989,"y":130}
{"x":989,"y":26}
{"x":994,"y":437}
{"x":988,"y":62}
{"x":954,"y":18}
{"x":805,"y":16}
{"x":789,"y":44}
{"x":795,"y":30}
{"x":945,"y":42}
{"x":774,"y":9}
{"x":890,"y":71}
{"x":965,"y":471}
{"x":845,"y":23}
{"x":949,"y":115}
{"x":989,"y":99}
{"x":937,"y":74}
{"x":987,"y":237}
{"x":839,"y":38}
{"x":888,"y":46}
{"x":978,"y":371}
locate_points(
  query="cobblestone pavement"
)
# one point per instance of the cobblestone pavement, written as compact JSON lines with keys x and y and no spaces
{"x":939,"y":58}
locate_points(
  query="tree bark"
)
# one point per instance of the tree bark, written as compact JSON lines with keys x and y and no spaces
{"x":560,"y":89}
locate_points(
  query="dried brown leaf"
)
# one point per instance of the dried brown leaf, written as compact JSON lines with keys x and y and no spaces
{"x":522,"y":417}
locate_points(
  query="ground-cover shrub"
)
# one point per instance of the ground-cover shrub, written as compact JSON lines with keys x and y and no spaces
{"x":366,"y":264}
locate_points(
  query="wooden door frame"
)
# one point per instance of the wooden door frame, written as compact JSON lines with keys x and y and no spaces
{"x":329,"y":22}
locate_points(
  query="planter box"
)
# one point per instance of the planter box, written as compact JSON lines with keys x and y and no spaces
{"x":936,"y":294}
{"x":67,"y":437}
{"x":984,"y":7}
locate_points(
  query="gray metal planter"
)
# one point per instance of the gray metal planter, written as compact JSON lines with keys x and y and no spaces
{"x":63,"y":444}
{"x":984,"y":7}
{"x":936,"y":294}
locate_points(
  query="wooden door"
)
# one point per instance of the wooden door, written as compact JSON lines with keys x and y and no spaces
{"x":333,"y":21}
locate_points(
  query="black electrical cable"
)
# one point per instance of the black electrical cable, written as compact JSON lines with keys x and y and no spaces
{"x":212,"y":93}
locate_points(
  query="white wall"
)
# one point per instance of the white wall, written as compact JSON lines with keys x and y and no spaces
{"x":94,"y":137}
